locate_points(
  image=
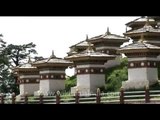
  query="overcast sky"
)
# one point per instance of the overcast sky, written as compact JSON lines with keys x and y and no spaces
{"x":58,"y":33}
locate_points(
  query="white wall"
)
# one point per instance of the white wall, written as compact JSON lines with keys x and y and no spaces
{"x":44,"y":86}
{"x":51,"y":86}
{"x":29,"y":88}
{"x":90,"y":81}
{"x":140,"y":74}
{"x":152,"y":75}
{"x":83,"y":80}
{"x":96,"y":80}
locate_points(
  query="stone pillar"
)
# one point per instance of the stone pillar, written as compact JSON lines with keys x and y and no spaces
{"x":141,"y":72}
{"x":52,"y":80}
{"x":29,"y":83}
{"x":89,"y":78}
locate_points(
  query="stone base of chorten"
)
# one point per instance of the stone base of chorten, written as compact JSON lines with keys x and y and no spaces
{"x":28,"y":88}
{"x":133,"y":85}
{"x":81,"y":90}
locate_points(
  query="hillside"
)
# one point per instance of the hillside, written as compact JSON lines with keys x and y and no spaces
{"x":114,"y":77}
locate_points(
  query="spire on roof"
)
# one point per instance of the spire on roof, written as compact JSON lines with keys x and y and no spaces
{"x":52,"y":56}
{"x":29,"y":59}
{"x":53,"y":53}
{"x":108,"y":32}
{"x":86,"y":37}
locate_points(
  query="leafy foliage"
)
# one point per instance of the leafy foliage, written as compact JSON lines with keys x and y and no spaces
{"x":115,"y":76}
{"x":70,"y":82}
{"x":17,"y":53}
{"x":10,"y":56}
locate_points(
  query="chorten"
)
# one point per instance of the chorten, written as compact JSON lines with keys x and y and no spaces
{"x":28,"y":77}
{"x":147,"y":27}
{"x":90,"y":69}
{"x":142,"y":64}
{"x":52,"y":74}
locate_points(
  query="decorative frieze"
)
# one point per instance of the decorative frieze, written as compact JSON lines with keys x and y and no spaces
{"x":90,"y":70}
{"x":28,"y":81}
{"x":143,"y":64}
{"x":52,"y":76}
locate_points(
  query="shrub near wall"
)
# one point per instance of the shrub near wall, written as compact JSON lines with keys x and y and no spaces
{"x":115,"y":76}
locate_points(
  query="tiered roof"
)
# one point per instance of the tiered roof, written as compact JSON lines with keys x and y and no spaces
{"x":90,"y":54}
{"x":25,"y":67}
{"x":79,"y":47}
{"x":108,"y":37}
{"x":139,"y":46}
{"x":52,"y":61}
{"x":139,"y":22}
{"x":147,"y":28}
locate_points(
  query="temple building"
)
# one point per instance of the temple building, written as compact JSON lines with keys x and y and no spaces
{"x":90,"y":70}
{"x":28,"y":77}
{"x":142,"y":64}
{"x":52,"y":74}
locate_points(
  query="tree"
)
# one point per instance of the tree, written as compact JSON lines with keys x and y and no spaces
{"x":4,"y":68}
{"x":70,"y":82}
{"x":11,"y":56}
{"x":115,"y":76}
{"x":17,"y":53}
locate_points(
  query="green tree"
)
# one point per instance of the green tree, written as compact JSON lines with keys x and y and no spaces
{"x":115,"y":76}
{"x":4,"y":68}
{"x":17,"y":53}
{"x":11,"y":56}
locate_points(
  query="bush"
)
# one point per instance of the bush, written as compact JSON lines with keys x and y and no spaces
{"x":115,"y":76}
{"x":70,"y":82}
